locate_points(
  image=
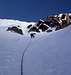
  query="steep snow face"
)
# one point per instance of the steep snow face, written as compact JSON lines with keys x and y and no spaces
{"x":49,"y":55}
{"x":5,"y":23}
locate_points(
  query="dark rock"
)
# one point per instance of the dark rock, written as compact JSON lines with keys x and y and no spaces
{"x":63,"y":16}
{"x":15,"y":29}
{"x":43,"y":27}
{"x":29,"y":26}
{"x":34,"y":28}
{"x":49,"y":30}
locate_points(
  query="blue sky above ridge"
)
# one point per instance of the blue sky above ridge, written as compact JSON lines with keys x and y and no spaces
{"x":32,"y":10}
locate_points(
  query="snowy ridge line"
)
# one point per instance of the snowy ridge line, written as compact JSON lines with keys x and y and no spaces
{"x":10,"y":22}
{"x":48,"y":24}
{"x":5,"y":23}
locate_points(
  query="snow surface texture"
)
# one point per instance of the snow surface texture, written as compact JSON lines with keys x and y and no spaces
{"x":5,"y":23}
{"x":11,"y":49}
{"x":48,"y":54}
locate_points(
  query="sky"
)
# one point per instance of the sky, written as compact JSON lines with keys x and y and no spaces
{"x":32,"y":10}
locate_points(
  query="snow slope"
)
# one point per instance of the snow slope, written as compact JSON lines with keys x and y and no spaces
{"x":5,"y":23}
{"x":12,"y":46}
{"x":11,"y":49}
{"x":48,"y":54}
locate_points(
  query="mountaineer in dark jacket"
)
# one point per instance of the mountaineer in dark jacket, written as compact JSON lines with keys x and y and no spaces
{"x":32,"y":35}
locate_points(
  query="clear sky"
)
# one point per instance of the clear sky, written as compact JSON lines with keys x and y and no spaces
{"x":32,"y":10}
